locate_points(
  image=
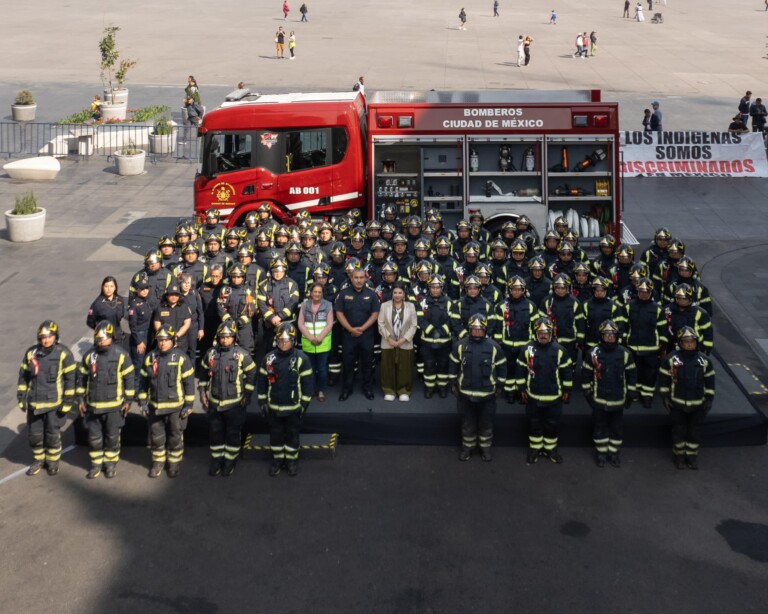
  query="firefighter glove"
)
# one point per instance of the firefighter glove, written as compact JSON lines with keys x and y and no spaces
{"x":185,"y":411}
{"x":566,"y":397}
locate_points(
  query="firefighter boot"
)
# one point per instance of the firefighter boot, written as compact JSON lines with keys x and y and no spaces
{"x":692,"y":462}
{"x":293,"y":468}
{"x":215,"y":468}
{"x":428,"y":392}
{"x":554,"y":456}
{"x":646,"y":401}
{"x":533,"y":455}
{"x":511,"y":398}
{"x":156,"y":469}
{"x":679,"y":461}
{"x":465,"y":454}
{"x":110,"y":470}
{"x":94,"y":472}
{"x":275,"y":467}
{"x":615,"y":460}
{"x":53,"y":467}
{"x":443,"y":392}
{"x":600,"y":459}
{"x":229,"y":468}
{"x":485,"y":454}
{"x":35,"y":468}
{"x":173,"y":470}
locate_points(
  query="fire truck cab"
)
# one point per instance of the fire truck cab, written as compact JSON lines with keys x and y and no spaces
{"x":500,"y":153}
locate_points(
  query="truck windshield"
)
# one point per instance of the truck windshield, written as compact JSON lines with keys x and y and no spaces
{"x":276,"y":151}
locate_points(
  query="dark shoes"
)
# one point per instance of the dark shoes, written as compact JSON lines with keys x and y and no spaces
{"x":679,"y":461}
{"x":465,"y":454}
{"x":229,"y":469}
{"x":215,"y":468}
{"x":554,"y":456}
{"x":443,"y":392}
{"x":615,"y":460}
{"x":156,"y":469}
{"x":35,"y":468}
{"x":293,"y":468}
{"x":600,"y":460}
{"x":110,"y":471}
{"x":368,"y":395}
{"x":344,"y":395}
{"x":275,"y":468}
{"x":533,"y":456}
{"x":53,"y":467}
{"x":692,"y":462}
{"x":94,"y":472}
{"x":485,"y":454}
{"x":173,"y":470}
{"x":428,"y":393}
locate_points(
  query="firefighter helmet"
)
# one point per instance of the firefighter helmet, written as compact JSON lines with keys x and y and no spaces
{"x":581,"y":267}
{"x":625,"y":251}
{"x":103,"y":331}
{"x":282,"y":231}
{"x":608,"y":241}
{"x":264,"y":207}
{"x":236,"y":270}
{"x":262,"y":236}
{"x":388,"y":267}
{"x":571,"y":235}
{"x":551,"y":234}
{"x":637,"y":271}
{"x":565,"y":248}
{"x":422,"y":244}
{"x":190,"y":248}
{"x":560,"y":221}
{"x":523,"y":220}
{"x":600,"y":282}
{"x":662,"y":234}
{"x":463,"y":225}
{"x":321,"y":270}
{"x":153,"y":256}
{"x":472,"y":248}
{"x":519,"y":246}
{"x":286,"y":332}
{"x":48,"y":328}
{"x":477,"y":321}
{"x":212,"y":214}
{"x":182,"y":231}
{"x":608,"y":327}
{"x":516,"y":282}
{"x":232,"y":233}
{"x":352,"y":265}
{"x":686,"y":332}
{"x":644,"y":284}
{"x":422,"y":266}
{"x":292,"y":248}
{"x":165,"y":332}
{"x":684,"y":291}
{"x":686,"y":263}
{"x":562,"y":281}
{"x":213,"y":238}
{"x":537,"y":264}
{"x":543,"y":325}
{"x":226,"y":329}
{"x":373,"y":225}
{"x":251,"y":218}
{"x":141,"y":281}
{"x":380,"y":244}
{"x":413,"y":221}
{"x":483,"y":270}
{"x":355,"y":214}
{"x":508,"y":226}
{"x":442,"y":242}
{"x":675,"y":246}
{"x":388,"y":228}
{"x":498,"y":243}
{"x":471,"y":280}
{"x":338,"y":249}
{"x":246,"y":249}
{"x":436,"y":280}
{"x":357,"y":235}
{"x":165,"y":240}
{"x":278,"y":264}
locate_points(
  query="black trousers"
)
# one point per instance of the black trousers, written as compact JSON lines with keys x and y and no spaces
{"x":608,"y":431}
{"x":225,"y":432}
{"x":647,"y":372}
{"x":284,"y":429}
{"x":436,"y":359}
{"x":543,"y":422}
{"x":167,"y":431}
{"x":44,"y":435}
{"x":686,"y":430}
{"x":357,"y":350}
{"x":476,"y":421}
{"x":334,"y":360}
{"x":104,"y":436}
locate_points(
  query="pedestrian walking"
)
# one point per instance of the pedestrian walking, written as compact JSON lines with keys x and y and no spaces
{"x":304,"y":10}
{"x":292,"y":45}
{"x":286,"y":10}
{"x":553,"y":18}
{"x":462,"y":19}
{"x":46,"y":391}
{"x":579,"y":46}
{"x":495,"y":8}
{"x":626,"y":9}
{"x":593,"y":43}
{"x":520,"y":50}
{"x":527,"y":42}
{"x":280,"y":42}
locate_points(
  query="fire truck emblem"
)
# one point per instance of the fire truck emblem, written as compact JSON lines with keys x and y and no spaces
{"x":222,"y":192}
{"x":268,"y":139}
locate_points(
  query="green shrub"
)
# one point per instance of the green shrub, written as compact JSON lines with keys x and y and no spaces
{"x":163,"y":127}
{"x":77,"y":118}
{"x":25,"y":204}
{"x":24,"y":97}
{"x":130,"y":149}
{"x":149,"y":113}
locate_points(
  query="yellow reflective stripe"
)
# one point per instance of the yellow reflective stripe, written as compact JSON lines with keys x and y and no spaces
{"x":22,"y":388}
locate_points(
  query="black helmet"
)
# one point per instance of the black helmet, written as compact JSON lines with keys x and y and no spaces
{"x":278,"y":264}
{"x":684,"y":291}
{"x":103,"y":331}
{"x":471,"y":280}
{"x":608,"y":327}
{"x":264,"y":207}
{"x":338,"y":249}
{"x":166,"y":240}
{"x":662,"y":234}
{"x":227,"y":329}
{"x":561,"y":280}
{"x":153,"y":256}
{"x":515,"y":282}
{"x":140,"y":281}
{"x":48,"y":328}
{"x":190,"y":248}
{"x":543,"y":325}
{"x":236,"y":270}
{"x":477,"y":321}
{"x":321,"y":270}
{"x":436,"y":280}
{"x":644,"y":284}
{"x":285,"y":332}
{"x":686,"y":332}
{"x":601,"y":282}
{"x":165,"y":332}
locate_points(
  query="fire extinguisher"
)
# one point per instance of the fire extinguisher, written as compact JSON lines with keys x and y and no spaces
{"x":474,"y":161}
{"x":529,"y":160}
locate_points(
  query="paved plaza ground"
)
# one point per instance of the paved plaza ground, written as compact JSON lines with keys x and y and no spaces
{"x":382,"y":529}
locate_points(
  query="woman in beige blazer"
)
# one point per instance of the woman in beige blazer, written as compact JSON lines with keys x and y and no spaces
{"x":397,"y":325}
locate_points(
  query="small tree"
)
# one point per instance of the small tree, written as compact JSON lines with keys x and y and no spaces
{"x":109,"y":60}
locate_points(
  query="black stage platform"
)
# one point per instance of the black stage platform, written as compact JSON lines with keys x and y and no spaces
{"x":734,"y":420}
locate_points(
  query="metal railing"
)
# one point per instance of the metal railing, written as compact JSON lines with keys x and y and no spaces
{"x":82,"y":141}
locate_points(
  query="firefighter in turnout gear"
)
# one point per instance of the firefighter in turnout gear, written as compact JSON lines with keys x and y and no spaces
{"x":599,"y":308}
{"x":278,"y":297}
{"x":566,"y":314}
{"x":544,"y":378}
{"x":166,"y":388}
{"x":434,"y":322}
{"x":105,"y":381}
{"x":479,"y":372}
{"x":226,"y":386}
{"x":609,"y":381}
{"x":687,"y":385}
{"x":237,"y":302}
{"x":516,"y":315}
{"x":684,"y":313}
{"x":46,"y":391}
{"x":469,"y":305}
{"x":646,"y":336}
{"x":284,"y":387}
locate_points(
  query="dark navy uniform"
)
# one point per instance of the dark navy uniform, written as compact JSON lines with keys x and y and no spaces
{"x":434,"y":322}
{"x":110,"y":311}
{"x":357,"y":308}
{"x":140,"y":324}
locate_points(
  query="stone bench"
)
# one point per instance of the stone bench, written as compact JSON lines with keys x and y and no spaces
{"x":42,"y":168}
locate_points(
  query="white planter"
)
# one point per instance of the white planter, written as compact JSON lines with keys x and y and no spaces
{"x":119,"y":110}
{"x":120,"y":95}
{"x":23,"y":112}
{"x":25,"y":228}
{"x":162,"y":143}
{"x":41,"y":168}
{"x":130,"y":165}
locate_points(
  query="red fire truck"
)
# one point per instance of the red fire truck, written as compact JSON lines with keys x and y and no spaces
{"x":503,"y":153}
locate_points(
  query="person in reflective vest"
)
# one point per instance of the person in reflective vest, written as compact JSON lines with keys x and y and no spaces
{"x":227,"y":382}
{"x":284,"y":389}
{"x":105,"y":390}
{"x":166,"y":388}
{"x":478,"y":370}
{"x":609,"y":381}
{"x":687,"y":386}
{"x":45,"y":391}
{"x":544,"y":378}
